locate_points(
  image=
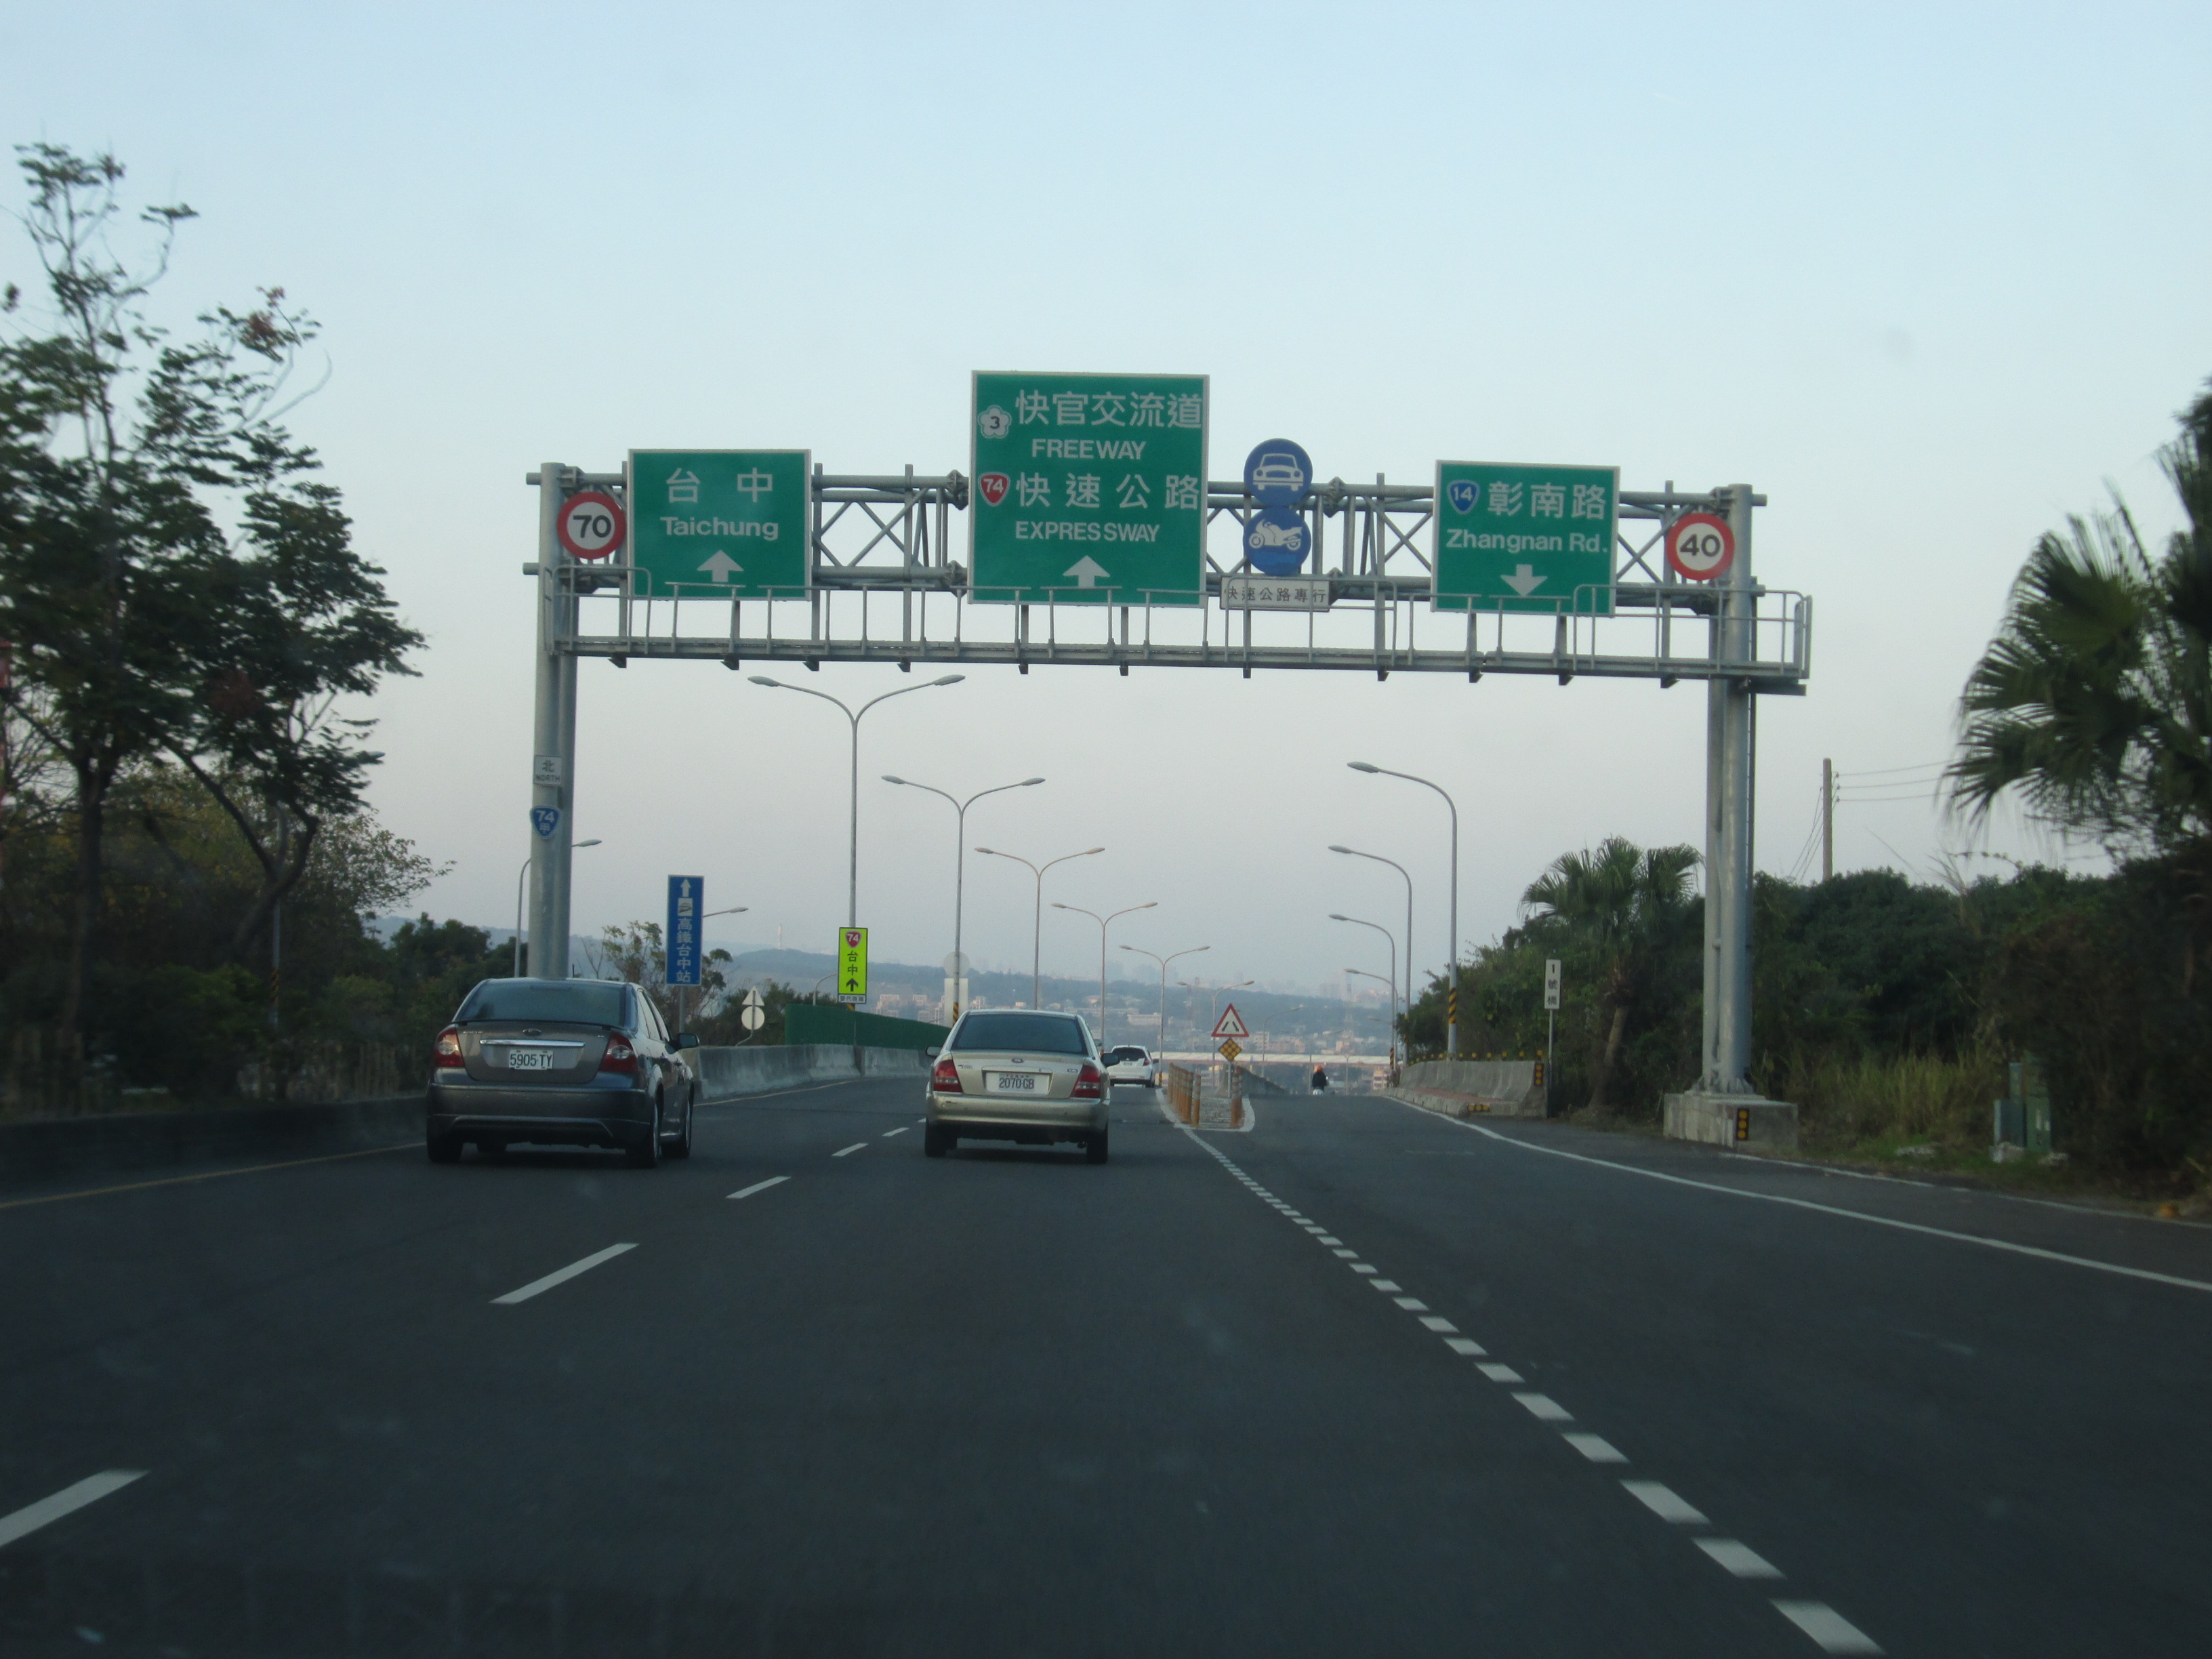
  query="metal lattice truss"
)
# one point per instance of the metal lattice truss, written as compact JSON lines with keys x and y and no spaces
{"x":887,"y":587}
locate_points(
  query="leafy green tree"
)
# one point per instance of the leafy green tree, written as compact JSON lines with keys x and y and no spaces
{"x":136,"y":627}
{"x":1625,"y":904}
{"x":2093,"y":703}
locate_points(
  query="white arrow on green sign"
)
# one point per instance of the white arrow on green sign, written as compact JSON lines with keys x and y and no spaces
{"x":720,"y":522}
{"x":1517,"y":538}
{"x":1089,"y":489}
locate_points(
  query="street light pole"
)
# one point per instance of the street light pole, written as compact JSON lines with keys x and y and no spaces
{"x":1389,"y":1038}
{"x":1392,"y":939}
{"x":1400,"y":869}
{"x":1451,"y":1000}
{"x":1164,"y":961}
{"x":1103,"y":922}
{"x":1036,"y":932}
{"x":960,"y":860}
{"x":853,"y":840}
{"x":520,"y":877}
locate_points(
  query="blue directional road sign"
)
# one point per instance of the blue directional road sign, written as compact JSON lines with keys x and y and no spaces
{"x":687,"y":904}
{"x":1277,"y":541}
{"x":1277,"y":473}
{"x":546,"y":820}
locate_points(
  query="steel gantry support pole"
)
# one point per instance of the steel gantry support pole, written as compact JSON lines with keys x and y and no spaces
{"x":1730,"y":738}
{"x":555,"y":732}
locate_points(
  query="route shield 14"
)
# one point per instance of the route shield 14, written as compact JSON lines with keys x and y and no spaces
{"x":1518,"y":538}
{"x":1090,"y":488}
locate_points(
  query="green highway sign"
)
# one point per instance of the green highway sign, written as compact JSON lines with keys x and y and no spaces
{"x":851,"y":965}
{"x":1089,"y":489}
{"x":1516,"y":537}
{"x":720,"y":523}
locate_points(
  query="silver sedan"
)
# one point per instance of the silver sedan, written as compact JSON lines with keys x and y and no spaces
{"x":1017,"y":1074}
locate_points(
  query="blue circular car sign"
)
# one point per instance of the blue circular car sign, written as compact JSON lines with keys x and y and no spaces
{"x":1277,"y":541}
{"x":1277,"y":473}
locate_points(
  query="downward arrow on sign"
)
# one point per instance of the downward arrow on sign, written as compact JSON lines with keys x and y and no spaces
{"x":1524,"y":581}
{"x":1087,"y":571}
{"x":721,"y":566}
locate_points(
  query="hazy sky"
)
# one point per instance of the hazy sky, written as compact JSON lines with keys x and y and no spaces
{"x":1926,"y":275}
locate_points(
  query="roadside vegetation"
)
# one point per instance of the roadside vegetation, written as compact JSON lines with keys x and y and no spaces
{"x":1887,"y":1008}
{"x":185,"y":626}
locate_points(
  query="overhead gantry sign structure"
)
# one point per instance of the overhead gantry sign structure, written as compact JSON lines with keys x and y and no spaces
{"x":1093,"y":542}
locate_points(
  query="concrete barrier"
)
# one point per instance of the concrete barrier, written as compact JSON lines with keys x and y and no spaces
{"x":733,"y":1073}
{"x":1751,"y":1121}
{"x":131,"y":1140}
{"x":1465,"y":1088}
{"x":137,"y":1141}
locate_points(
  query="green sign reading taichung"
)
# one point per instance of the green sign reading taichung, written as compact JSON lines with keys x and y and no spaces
{"x":720,"y":523}
{"x":1517,"y":538}
{"x":1089,"y":489}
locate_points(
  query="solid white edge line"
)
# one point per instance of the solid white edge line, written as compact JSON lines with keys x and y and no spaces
{"x":67,"y":1501}
{"x":1830,"y":1209}
{"x":759,"y":1187}
{"x":1830,"y":1630}
{"x":537,"y":1285}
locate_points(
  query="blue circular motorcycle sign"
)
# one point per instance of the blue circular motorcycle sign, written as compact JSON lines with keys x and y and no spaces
{"x":1277,"y":473}
{"x":1277,"y":541}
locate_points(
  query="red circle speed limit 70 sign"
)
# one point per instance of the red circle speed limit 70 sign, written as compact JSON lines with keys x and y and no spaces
{"x":592,"y":525}
{"x":1699,"y":546}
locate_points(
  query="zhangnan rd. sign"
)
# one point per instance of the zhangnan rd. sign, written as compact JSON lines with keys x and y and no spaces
{"x":1090,"y":488}
{"x":720,"y":522}
{"x":1515,"y":537}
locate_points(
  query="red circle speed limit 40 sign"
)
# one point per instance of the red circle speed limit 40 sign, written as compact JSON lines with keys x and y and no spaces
{"x":1699,"y":546}
{"x":592,"y":525}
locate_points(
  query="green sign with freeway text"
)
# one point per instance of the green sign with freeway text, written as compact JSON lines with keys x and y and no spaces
{"x":720,"y":523}
{"x":1517,"y":538}
{"x":1089,"y":489}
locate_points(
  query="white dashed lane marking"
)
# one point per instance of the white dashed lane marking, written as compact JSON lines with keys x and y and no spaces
{"x":1596,"y":1448}
{"x":1741,"y":1560}
{"x":759,"y":1187}
{"x":1828,"y":1629}
{"x":901,"y":1130}
{"x":1663,"y":1501}
{"x":1833,"y":1631}
{"x":67,"y":1501}
{"x":1545,"y":1409}
{"x":847,"y":1151}
{"x":539,"y":1286}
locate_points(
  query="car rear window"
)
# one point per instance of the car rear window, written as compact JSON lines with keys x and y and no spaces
{"x":1129,"y":1055}
{"x":1038,"y":1034}
{"x":580,"y":1002}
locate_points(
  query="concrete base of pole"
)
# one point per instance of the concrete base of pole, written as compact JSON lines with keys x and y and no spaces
{"x":1750,"y":1122}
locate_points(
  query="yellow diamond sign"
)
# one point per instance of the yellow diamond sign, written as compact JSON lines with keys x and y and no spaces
{"x":1230,"y":1050}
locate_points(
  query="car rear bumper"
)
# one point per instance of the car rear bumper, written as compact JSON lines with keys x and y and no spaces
{"x":988,"y":1118}
{"x":591,"y":1116}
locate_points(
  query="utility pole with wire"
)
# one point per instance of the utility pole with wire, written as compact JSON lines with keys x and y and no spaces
{"x":1827,"y":820}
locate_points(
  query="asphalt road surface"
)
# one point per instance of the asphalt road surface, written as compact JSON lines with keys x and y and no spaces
{"x":1359,"y":1382}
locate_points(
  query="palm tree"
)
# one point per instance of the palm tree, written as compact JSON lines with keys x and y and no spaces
{"x":2094,"y":700}
{"x":1623,"y":902}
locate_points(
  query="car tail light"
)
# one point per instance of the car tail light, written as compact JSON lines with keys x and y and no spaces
{"x":1088,"y":1083}
{"x":945,"y":1080}
{"x":619,"y":1056}
{"x":446,"y":1050}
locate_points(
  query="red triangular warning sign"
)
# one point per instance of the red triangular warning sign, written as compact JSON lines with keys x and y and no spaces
{"x":1231,"y":1025}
